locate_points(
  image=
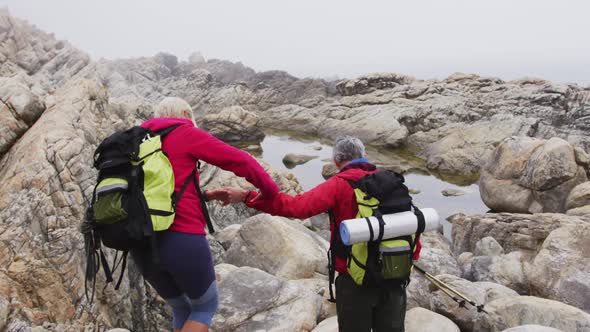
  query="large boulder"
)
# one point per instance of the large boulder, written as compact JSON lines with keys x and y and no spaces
{"x":253,"y":300}
{"x":233,"y":124}
{"x":480,"y":292}
{"x":422,"y":320}
{"x":527,"y":175}
{"x":561,"y":269}
{"x":279,"y":246}
{"x":508,"y":312}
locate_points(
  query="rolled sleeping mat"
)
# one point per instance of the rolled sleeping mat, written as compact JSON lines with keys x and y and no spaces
{"x":396,"y":224}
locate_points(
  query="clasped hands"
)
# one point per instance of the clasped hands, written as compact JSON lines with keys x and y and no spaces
{"x":230,"y":195}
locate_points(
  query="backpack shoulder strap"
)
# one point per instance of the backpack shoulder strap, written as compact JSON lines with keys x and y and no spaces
{"x":165,"y":131}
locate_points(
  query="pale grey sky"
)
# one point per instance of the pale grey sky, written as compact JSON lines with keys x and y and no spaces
{"x":319,"y":38}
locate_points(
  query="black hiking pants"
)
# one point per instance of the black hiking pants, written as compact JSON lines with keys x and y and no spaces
{"x":361,"y":309}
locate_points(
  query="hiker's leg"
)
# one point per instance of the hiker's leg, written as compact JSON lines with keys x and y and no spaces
{"x":354,"y":305}
{"x":181,"y":309}
{"x":390,"y":313}
{"x":165,"y":286}
{"x":202,"y":310}
{"x":188,"y":260}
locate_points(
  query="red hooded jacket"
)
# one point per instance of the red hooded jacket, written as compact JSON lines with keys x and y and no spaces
{"x":335,"y":194}
{"x":188,"y":144}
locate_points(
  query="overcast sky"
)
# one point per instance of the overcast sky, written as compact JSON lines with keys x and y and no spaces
{"x":322,"y":38}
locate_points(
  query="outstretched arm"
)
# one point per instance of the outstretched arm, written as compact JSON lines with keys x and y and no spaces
{"x":318,"y":200}
{"x":205,"y":147}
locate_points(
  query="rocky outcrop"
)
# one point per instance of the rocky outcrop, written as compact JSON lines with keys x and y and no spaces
{"x":546,"y":253}
{"x":514,"y":232}
{"x":233,"y":124}
{"x":454,"y":124}
{"x":291,"y":160}
{"x":526,"y":175}
{"x":371,"y":83}
{"x":253,"y":300}
{"x":509,"y":312}
{"x":278,"y":246}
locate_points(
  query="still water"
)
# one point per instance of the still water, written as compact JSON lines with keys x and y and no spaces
{"x":276,"y":145}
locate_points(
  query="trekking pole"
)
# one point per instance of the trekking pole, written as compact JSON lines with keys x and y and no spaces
{"x":441,"y":285}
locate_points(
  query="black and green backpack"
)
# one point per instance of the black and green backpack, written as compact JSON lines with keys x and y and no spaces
{"x":382,"y":261}
{"x":133,"y":198}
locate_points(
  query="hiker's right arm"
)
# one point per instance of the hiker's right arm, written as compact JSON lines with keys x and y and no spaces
{"x":205,"y":147}
{"x":316,"y":201}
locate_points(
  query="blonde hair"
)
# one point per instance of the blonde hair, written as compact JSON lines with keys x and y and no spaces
{"x":173,"y":107}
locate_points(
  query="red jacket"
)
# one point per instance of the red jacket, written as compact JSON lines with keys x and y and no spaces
{"x":188,"y":144}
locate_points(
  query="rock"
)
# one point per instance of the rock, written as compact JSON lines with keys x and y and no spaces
{"x":20,"y":107}
{"x":233,"y":124}
{"x":414,"y":191}
{"x":253,"y":300}
{"x":465,"y":261}
{"x":509,"y":312}
{"x":118,"y":330}
{"x":436,"y":258}
{"x":480,"y":292}
{"x":528,"y":175}
{"x":329,"y":170}
{"x":280,"y":247}
{"x":422,"y":320}
{"x":488,"y":246}
{"x":291,"y":160}
{"x":582,"y":157}
{"x":4,"y":311}
{"x":317,"y":148}
{"x":452,"y":192}
{"x":228,"y":235}
{"x":561,"y":268}
{"x":581,"y":211}
{"x":509,"y":270}
{"x":327,"y":325}
{"x":319,"y":285}
{"x":579,"y":196}
{"x":217,"y":250}
{"x":532,"y":328}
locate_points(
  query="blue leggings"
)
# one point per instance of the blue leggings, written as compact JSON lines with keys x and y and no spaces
{"x":184,"y":278}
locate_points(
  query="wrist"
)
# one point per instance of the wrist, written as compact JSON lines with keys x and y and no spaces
{"x":205,"y":196}
{"x":246,"y":196}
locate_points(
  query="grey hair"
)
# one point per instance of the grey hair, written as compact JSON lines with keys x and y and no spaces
{"x":172,"y":107}
{"x":348,"y":148}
